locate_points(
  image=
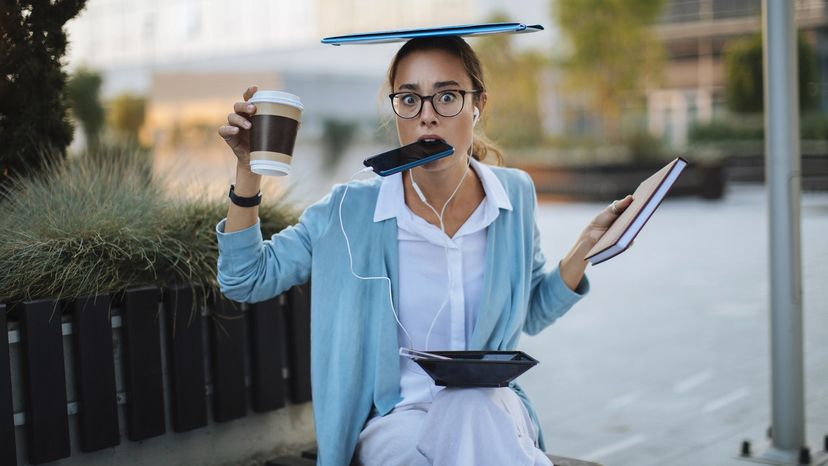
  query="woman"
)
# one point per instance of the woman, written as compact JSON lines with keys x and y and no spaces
{"x":458,"y":242}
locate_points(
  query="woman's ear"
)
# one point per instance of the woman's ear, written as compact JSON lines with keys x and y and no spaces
{"x":481,"y":102}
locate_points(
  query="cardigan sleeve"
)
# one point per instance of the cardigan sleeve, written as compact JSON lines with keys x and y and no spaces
{"x":251,"y":269}
{"x":550,"y":297}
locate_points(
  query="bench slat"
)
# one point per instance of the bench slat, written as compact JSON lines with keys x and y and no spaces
{"x":95,"y":374}
{"x":45,"y":389}
{"x":185,"y":355}
{"x":227,"y":331}
{"x":290,"y":461}
{"x":143,"y":371}
{"x":298,"y":325}
{"x":267,"y":355}
{"x":8,"y":448}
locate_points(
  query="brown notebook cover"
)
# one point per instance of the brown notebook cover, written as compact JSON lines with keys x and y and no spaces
{"x":646,"y":199}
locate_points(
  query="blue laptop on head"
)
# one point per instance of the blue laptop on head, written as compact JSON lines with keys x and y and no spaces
{"x":406,"y":34}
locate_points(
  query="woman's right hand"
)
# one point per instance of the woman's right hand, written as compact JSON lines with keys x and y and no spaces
{"x":236,"y":133}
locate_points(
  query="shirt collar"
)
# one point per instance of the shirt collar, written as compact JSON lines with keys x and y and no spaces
{"x":388,"y":200}
{"x":391,"y":197}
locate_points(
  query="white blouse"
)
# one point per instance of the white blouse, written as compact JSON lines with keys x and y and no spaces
{"x":428,"y":274}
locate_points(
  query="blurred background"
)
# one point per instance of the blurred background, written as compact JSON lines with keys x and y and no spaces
{"x":641,"y":82}
{"x":667,"y":361}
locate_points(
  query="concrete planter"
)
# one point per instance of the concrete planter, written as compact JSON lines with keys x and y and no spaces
{"x":603,"y":183}
{"x":710,"y":180}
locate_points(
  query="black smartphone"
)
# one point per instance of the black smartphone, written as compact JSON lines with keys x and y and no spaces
{"x":407,"y":157}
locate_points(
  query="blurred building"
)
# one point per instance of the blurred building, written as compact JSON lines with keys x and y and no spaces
{"x":695,"y":33}
{"x":193,"y":58}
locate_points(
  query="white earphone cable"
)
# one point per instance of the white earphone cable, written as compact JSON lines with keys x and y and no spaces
{"x":445,"y":246}
{"x":445,"y":242}
{"x":351,"y":258}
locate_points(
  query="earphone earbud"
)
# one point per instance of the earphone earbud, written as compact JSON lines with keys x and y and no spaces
{"x":475,"y":116}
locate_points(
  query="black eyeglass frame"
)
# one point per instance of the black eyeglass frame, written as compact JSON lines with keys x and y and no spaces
{"x":430,"y":98}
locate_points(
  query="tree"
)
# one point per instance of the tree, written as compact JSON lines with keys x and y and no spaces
{"x":744,"y":92}
{"x":126,"y":116}
{"x":613,"y":53}
{"x":82,"y":90}
{"x":33,"y":118}
{"x":512,"y":82}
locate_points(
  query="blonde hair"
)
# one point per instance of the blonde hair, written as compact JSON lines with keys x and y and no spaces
{"x":454,"y":45}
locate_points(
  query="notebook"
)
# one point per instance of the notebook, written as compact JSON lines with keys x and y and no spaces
{"x":646,"y":199}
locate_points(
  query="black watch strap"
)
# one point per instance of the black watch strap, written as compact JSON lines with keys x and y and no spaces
{"x":244,"y":201}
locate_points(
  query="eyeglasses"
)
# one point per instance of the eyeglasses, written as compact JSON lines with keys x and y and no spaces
{"x":446,"y":103}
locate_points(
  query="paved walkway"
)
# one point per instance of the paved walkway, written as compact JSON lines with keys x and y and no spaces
{"x":667,"y":361}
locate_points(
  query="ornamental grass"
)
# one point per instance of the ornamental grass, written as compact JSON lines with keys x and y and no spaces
{"x":101,"y":223}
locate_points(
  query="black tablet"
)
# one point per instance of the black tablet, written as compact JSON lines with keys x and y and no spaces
{"x":476,"y":368}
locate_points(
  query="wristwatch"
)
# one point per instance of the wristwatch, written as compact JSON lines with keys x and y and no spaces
{"x":244,"y":201}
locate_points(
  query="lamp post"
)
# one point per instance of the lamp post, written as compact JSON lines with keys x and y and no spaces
{"x":782,"y":170}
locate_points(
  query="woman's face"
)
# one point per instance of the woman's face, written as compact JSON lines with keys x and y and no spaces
{"x":425,"y":73}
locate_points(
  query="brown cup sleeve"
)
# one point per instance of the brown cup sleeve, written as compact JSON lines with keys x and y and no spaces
{"x":273,"y":133}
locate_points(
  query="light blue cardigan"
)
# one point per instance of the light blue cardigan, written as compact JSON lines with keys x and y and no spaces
{"x":354,"y":360}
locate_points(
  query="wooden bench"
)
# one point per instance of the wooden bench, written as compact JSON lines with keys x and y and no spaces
{"x":308,"y":458}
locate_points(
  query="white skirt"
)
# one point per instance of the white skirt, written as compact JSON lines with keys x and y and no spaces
{"x":461,"y":426}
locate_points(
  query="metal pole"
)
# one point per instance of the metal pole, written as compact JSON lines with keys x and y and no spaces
{"x":782,"y":168}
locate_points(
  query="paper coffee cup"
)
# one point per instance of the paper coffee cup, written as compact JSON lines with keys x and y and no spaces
{"x":273,"y":131}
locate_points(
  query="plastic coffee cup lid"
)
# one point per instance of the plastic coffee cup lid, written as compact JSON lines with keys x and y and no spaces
{"x":269,"y":167}
{"x":277,"y":97}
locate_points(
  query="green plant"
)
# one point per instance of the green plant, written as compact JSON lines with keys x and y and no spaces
{"x":706,"y":155}
{"x":643,"y":147}
{"x":614,"y":54}
{"x":512,"y":116}
{"x":126,"y":116}
{"x":812,"y":126}
{"x":743,"y":129}
{"x":744,"y":92}
{"x":94,"y":225}
{"x":337,"y":135}
{"x":82,"y":90}
{"x":33,"y":117}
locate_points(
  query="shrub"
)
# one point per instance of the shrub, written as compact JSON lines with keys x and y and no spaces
{"x":126,"y":116}
{"x":102,"y":224}
{"x":812,"y":126}
{"x":744,"y":91}
{"x":643,"y":147}
{"x":727,"y":130}
{"x":337,"y":135}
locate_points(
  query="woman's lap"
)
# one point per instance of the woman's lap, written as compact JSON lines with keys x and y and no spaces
{"x":478,"y":426}
{"x":392,"y":439}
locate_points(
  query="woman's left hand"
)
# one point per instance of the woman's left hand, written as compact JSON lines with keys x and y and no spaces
{"x":573,"y":265}
{"x":601,"y":223}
